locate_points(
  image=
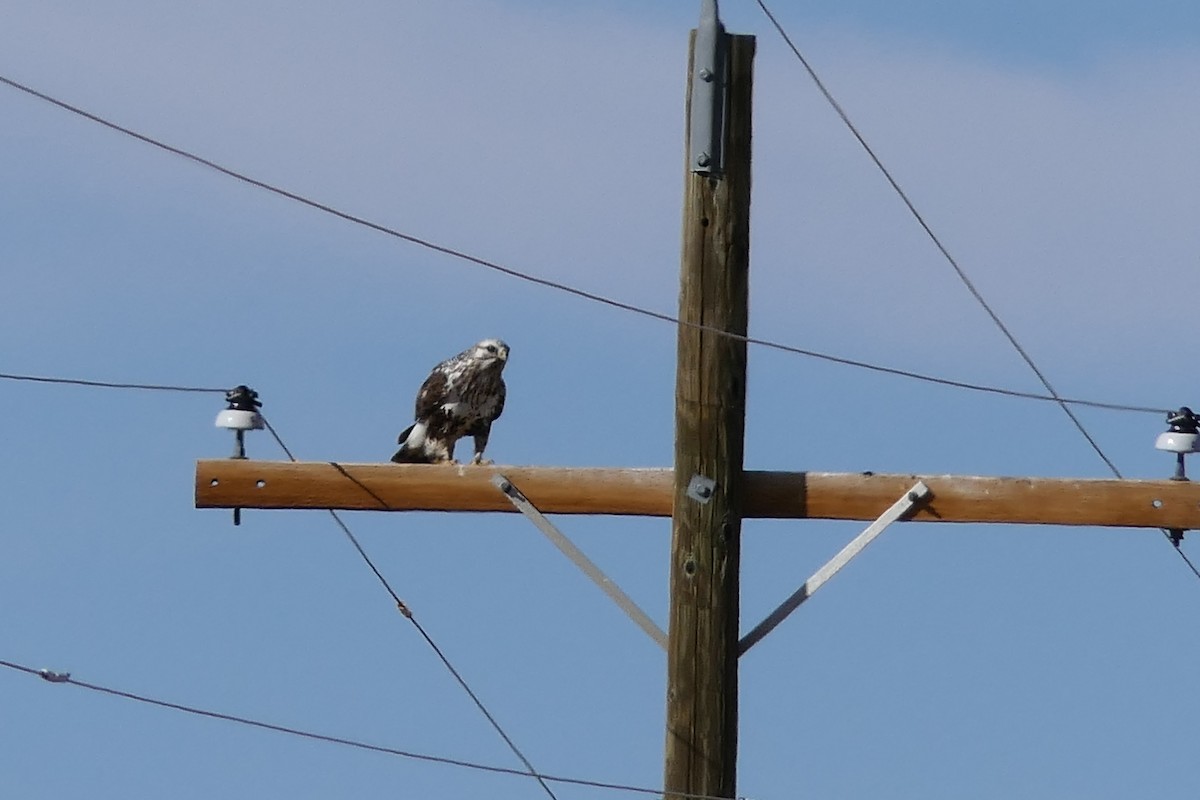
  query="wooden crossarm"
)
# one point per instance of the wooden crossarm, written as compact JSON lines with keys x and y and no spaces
{"x":230,"y":483}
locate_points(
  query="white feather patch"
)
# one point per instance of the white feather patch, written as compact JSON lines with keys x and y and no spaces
{"x":416,"y":437}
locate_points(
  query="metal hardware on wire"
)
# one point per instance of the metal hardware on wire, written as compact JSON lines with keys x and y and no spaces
{"x":54,"y":677}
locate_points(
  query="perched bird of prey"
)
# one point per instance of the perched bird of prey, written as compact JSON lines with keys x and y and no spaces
{"x":463,"y":396}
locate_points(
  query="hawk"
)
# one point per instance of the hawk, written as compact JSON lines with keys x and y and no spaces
{"x":462,"y":396}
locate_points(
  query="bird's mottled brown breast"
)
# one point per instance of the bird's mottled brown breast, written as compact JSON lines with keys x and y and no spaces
{"x":484,"y":394}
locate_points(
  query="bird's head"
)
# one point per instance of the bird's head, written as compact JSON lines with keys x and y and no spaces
{"x":490,"y":351}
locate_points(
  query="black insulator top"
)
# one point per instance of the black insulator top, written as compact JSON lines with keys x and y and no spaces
{"x":243,"y":398}
{"x":1183,"y":421}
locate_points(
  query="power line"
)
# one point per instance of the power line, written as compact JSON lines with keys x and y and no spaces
{"x":1191,"y":564}
{"x":59,"y":677}
{"x":822,"y":356}
{"x":950,"y":382}
{"x":953,"y":262}
{"x":407,"y":613}
{"x":152,"y":387}
{"x":937,"y":242}
{"x":1053,"y":395}
{"x":157,"y":387}
{"x":555,"y":285}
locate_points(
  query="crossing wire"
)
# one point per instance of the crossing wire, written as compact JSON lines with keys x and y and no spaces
{"x":555,"y":285}
{"x":60,"y":677}
{"x":408,"y":614}
{"x":937,"y":242}
{"x":951,"y":260}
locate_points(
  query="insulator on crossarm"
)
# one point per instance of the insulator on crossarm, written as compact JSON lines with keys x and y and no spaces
{"x":240,"y":415}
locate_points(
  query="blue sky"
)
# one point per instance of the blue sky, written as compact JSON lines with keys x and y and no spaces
{"x":1051,"y":146}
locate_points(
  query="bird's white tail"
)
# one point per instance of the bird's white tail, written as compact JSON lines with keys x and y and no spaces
{"x":412,"y":445}
{"x":416,"y":437}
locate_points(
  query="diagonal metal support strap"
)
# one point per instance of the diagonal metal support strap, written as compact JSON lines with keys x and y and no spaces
{"x":568,"y":548}
{"x":901,"y":507}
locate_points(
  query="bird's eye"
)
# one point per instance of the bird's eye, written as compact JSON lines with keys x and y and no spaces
{"x":491,"y":348}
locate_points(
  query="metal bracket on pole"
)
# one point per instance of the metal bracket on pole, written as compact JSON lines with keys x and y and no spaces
{"x":568,"y":548}
{"x":709,"y":94}
{"x":901,"y":507}
{"x":700,"y":488}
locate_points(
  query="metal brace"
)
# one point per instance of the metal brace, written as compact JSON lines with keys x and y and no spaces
{"x":568,"y":548}
{"x":706,"y":127}
{"x":901,"y":507}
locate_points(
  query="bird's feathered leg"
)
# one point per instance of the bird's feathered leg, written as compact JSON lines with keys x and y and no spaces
{"x":481,"y":440}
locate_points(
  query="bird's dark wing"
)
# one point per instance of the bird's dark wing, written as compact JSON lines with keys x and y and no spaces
{"x":500,"y":394}
{"x":432,"y":393}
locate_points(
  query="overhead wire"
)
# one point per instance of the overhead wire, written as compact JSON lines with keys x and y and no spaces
{"x":1053,"y":396}
{"x":400,"y":605}
{"x":408,"y":614}
{"x":556,"y":285}
{"x":1107,"y":406}
{"x":933,"y":237}
{"x":58,"y":677}
{"x":965,"y":279}
{"x":1179,"y":549}
{"x":152,"y":387}
{"x":157,"y":387}
{"x":403,"y":608}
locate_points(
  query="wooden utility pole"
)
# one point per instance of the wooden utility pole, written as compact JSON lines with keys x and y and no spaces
{"x":710,"y":412}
